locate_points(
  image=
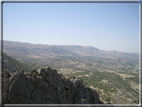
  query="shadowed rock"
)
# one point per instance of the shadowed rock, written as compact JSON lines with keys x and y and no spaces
{"x":46,"y":86}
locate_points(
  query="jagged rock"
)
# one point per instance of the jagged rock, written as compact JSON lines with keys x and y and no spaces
{"x":21,"y":71}
{"x":6,"y":74}
{"x":47,"y":87}
{"x":34,"y":72}
{"x":41,"y":72}
{"x":72,"y":77}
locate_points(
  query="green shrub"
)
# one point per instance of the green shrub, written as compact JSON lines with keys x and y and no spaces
{"x":108,"y":99}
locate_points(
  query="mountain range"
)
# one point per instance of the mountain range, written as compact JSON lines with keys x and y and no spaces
{"x":24,"y":49}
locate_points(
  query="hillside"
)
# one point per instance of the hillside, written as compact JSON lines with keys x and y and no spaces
{"x":110,"y":86}
{"x":114,"y":75}
{"x":11,"y":48}
{"x":25,"y":49}
{"x":72,"y":57}
{"x":12,"y":65}
{"x":92,"y":51}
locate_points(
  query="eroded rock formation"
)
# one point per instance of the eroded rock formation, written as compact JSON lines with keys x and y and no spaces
{"x":46,"y":86}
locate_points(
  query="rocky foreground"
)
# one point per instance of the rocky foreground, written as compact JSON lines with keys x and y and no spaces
{"x":46,"y":86}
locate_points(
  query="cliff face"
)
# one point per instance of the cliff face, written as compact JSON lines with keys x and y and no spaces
{"x":46,"y":86}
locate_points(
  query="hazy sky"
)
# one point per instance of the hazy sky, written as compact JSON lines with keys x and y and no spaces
{"x":106,"y":26}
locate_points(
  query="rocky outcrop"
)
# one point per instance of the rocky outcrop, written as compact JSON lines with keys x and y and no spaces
{"x":46,"y":86}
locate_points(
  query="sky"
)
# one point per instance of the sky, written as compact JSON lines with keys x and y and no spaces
{"x":106,"y":26}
